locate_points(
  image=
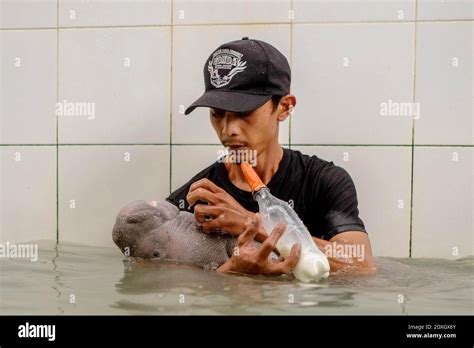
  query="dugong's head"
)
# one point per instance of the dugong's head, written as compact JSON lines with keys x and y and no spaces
{"x":139,"y":221}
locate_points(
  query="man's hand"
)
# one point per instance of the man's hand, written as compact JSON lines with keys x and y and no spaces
{"x":222,"y":212}
{"x":250,"y":258}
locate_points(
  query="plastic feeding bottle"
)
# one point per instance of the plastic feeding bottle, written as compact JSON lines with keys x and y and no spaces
{"x":313,"y":264}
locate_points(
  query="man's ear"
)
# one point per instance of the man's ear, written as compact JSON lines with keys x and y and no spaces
{"x":287,"y":104}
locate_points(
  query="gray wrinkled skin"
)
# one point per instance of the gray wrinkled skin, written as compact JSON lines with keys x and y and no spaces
{"x":165,"y":233}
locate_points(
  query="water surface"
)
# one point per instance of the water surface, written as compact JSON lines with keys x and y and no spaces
{"x":101,"y":281}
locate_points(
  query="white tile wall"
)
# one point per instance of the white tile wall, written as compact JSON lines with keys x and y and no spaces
{"x":353,"y":10}
{"x":96,"y":181}
{"x":381,"y":176}
{"x":445,"y":9}
{"x":443,"y":202}
{"x":28,"y":13}
{"x":230,"y":11}
{"x":444,"y":83}
{"x":28,"y":63}
{"x":190,"y":52}
{"x":94,"y":13}
{"x":188,"y":160}
{"x":342,"y":74}
{"x":28,"y":193}
{"x":347,"y":58}
{"x":126,"y":73}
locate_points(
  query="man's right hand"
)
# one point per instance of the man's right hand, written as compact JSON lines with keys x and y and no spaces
{"x":222,"y":212}
{"x":248,"y":258}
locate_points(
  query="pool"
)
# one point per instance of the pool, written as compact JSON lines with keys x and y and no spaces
{"x":78,"y":279}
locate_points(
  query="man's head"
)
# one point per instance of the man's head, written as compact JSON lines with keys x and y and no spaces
{"x":254,"y":130}
{"x":248,"y":93}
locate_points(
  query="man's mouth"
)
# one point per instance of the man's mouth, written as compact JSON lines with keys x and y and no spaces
{"x":234,"y":146}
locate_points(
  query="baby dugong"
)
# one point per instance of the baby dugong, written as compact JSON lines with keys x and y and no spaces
{"x":159,"y":230}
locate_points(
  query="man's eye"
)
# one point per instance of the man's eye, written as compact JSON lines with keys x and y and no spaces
{"x":216,"y":113}
{"x":244,"y":114}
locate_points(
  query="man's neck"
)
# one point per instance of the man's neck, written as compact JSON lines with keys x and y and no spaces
{"x":267,"y":163}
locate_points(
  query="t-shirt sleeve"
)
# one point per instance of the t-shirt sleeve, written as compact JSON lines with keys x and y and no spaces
{"x":178,"y":197}
{"x":341,"y":213}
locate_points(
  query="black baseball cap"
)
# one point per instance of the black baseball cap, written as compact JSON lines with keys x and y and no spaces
{"x":243,"y":75}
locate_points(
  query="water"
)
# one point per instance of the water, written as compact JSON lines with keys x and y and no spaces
{"x":100,"y":282}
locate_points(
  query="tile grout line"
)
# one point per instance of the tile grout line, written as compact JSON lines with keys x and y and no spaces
{"x":292,"y":13}
{"x":216,"y":144}
{"x":170,"y":153}
{"x":243,"y":24}
{"x":57,"y":123}
{"x":413,"y":136}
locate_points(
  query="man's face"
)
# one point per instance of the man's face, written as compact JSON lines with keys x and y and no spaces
{"x":254,"y":130}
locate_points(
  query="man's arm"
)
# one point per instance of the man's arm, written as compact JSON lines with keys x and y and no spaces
{"x":348,"y":251}
{"x":228,"y":215}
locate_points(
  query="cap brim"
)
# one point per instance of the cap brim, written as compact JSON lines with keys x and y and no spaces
{"x":229,"y":101}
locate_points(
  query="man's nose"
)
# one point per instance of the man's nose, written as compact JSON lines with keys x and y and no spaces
{"x":230,"y":125}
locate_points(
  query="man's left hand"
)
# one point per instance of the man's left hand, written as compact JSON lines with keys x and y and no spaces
{"x":248,"y":258}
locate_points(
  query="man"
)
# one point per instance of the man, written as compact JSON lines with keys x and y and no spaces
{"x":247,"y":88}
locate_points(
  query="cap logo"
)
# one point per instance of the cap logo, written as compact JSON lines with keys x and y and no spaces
{"x":225,"y":61}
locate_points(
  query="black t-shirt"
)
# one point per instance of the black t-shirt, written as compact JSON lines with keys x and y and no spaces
{"x":322,"y":194}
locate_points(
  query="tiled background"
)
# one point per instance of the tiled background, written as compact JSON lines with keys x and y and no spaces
{"x":141,"y":62}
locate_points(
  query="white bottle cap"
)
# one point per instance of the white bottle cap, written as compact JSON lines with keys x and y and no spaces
{"x":311,"y":267}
